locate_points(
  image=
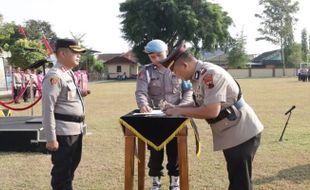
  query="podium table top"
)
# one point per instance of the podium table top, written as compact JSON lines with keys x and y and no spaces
{"x":156,"y":130}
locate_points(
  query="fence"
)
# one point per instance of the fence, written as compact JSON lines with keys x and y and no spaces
{"x":262,"y":72}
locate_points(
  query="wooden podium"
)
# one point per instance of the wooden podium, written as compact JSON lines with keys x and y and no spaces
{"x":130,"y":139}
{"x":137,"y":128}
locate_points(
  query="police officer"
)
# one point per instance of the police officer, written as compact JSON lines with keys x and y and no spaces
{"x":156,"y":83}
{"x":26,"y":84}
{"x":235,"y":127}
{"x":63,"y":114}
{"x":17,"y":84}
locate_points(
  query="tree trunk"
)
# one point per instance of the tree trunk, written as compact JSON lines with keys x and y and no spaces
{"x":282,"y":57}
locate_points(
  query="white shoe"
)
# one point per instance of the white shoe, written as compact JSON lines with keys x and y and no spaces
{"x":155,"y":183}
{"x":174,"y":183}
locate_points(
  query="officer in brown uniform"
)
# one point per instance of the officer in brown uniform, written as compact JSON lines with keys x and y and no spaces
{"x":26,"y":84}
{"x":156,"y":83}
{"x":235,"y":127}
{"x":17,"y":83}
{"x":63,"y":114}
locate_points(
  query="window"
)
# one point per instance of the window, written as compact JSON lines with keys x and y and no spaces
{"x":119,"y":69}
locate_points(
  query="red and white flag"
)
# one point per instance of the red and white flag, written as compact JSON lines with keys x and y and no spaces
{"x":47,"y":46}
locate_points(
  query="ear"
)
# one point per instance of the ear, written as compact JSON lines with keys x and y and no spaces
{"x":185,"y":64}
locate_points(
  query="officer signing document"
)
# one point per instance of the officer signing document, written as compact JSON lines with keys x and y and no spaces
{"x":235,"y":127}
{"x":63,"y":114}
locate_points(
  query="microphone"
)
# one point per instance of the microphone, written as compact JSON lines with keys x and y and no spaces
{"x":293,"y":107}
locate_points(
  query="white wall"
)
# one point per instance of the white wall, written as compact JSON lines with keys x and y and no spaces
{"x":2,"y":74}
{"x":261,"y":73}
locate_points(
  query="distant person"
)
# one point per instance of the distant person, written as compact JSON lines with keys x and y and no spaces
{"x":17,"y":84}
{"x":124,"y":77}
{"x":34,"y":79}
{"x":39,"y":79}
{"x":63,"y":114}
{"x":235,"y":127}
{"x":304,"y":74}
{"x":156,"y":83}
{"x":26,"y":84}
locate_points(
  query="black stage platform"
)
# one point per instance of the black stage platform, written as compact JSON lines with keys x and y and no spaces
{"x":21,"y":134}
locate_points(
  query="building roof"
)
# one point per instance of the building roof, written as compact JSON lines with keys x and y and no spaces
{"x":105,"y":57}
{"x":218,"y":57}
{"x":269,"y":58}
{"x":128,"y":57}
{"x":119,"y":60}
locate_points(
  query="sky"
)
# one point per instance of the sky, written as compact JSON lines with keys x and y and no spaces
{"x":99,"y":20}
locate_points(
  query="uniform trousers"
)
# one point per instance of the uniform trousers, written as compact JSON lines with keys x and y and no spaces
{"x":239,"y":163}
{"x":16,"y":93}
{"x":157,"y":157}
{"x":65,"y":160}
{"x":26,"y":94}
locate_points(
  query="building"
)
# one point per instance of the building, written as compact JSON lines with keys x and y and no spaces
{"x":217,"y":57}
{"x":269,"y":59}
{"x":120,"y":66}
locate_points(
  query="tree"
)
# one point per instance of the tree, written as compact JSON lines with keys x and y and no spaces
{"x":8,"y":34}
{"x":237,"y":57}
{"x":304,"y":45}
{"x":35,"y":30}
{"x":22,"y":57}
{"x":277,"y":22}
{"x":295,"y":56}
{"x":12,"y":40}
{"x":202,"y":23}
{"x":98,"y":66}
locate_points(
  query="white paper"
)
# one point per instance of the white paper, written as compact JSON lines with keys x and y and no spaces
{"x":153,"y":112}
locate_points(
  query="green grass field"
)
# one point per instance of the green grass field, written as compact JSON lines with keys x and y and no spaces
{"x":277,"y":166}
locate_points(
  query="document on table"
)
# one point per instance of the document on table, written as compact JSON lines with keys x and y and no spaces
{"x":153,"y":112}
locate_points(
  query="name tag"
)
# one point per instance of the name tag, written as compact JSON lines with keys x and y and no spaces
{"x":71,"y":91}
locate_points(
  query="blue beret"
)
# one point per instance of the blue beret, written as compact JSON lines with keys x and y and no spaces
{"x":155,"y":46}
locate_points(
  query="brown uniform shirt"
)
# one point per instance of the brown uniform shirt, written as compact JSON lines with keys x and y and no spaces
{"x":212,"y":84}
{"x":154,"y":85}
{"x":17,"y":80}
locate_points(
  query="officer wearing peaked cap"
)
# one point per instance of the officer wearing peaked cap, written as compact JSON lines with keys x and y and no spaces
{"x":63,"y":114}
{"x":156,"y":83}
{"x":235,"y":127}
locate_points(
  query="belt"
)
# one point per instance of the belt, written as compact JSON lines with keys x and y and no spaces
{"x":227,"y":111}
{"x":71,"y":118}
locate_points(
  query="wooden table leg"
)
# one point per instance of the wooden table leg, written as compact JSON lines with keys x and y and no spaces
{"x":129,"y":160}
{"x":141,"y":164}
{"x":183,"y":159}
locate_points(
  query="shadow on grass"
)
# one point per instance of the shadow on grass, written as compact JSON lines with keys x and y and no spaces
{"x":296,"y":174}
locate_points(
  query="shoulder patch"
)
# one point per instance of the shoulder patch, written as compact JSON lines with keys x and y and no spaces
{"x":54,"y":80}
{"x":141,"y":74}
{"x":208,"y":80}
